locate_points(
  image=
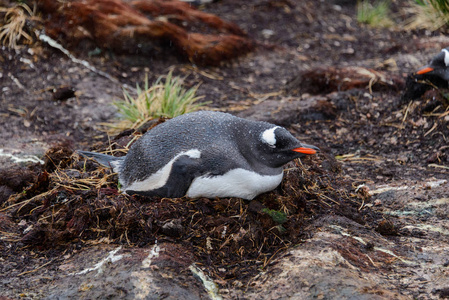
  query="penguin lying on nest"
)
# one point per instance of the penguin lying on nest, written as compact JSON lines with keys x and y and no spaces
{"x":206,"y":154}
{"x":433,"y":75}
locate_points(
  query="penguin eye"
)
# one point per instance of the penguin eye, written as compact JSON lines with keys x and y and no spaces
{"x":281,"y":143}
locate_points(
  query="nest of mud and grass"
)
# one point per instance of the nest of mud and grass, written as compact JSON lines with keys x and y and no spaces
{"x":70,"y":202}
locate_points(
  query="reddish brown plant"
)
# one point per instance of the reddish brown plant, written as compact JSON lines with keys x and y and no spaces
{"x":144,"y":27}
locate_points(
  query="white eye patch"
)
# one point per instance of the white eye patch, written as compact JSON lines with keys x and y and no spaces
{"x":446,"y":57}
{"x":269,"y":137}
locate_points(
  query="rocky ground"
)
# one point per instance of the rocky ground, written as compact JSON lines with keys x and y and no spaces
{"x":365,"y":219}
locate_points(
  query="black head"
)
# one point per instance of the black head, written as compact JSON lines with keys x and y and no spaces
{"x":438,"y":66}
{"x":278,"y":146}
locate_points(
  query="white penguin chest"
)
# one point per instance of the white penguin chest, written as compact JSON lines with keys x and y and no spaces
{"x":239,"y":183}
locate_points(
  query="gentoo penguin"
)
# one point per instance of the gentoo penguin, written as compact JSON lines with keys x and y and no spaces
{"x":433,"y":75}
{"x":438,"y":66}
{"x":206,"y":154}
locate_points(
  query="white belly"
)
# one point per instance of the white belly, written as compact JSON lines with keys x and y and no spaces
{"x":239,"y":183}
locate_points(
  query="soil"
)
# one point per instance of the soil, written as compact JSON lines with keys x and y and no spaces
{"x":367,"y":139}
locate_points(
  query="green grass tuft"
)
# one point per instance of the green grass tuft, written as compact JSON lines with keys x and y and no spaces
{"x":439,"y":5}
{"x":428,"y":14}
{"x":376,"y":15}
{"x":165,"y":98}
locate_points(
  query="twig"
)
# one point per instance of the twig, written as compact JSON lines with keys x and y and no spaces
{"x":205,"y":74}
{"x":28,"y":200}
{"x":266,"y":262}
{"x":431,"y":129}
{"x":405,"y":115}
{"x":32,"y":271}
{"x":438,"y":166}
{"x":371,"y":260}
{"x":361,"y":206}
{"x":391,"y":125}
{"x":16,"y":81}
{"x":52,"y":43}
{"x":324,"y":196}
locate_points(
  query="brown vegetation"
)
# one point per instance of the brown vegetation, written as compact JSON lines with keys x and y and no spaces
{"x":145,"y":27}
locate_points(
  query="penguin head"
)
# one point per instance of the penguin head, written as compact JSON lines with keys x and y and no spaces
{"x":438,"y":66}
{"x":278,"y":146}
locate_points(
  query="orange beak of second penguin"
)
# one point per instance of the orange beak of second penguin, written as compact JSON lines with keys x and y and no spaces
{"x":305,"y":150}
{"x":424,"y":70}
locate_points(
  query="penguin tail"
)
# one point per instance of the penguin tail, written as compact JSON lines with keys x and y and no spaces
{"x":104,"y":159}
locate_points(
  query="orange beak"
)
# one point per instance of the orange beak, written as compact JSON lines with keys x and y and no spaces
{"x":305,"y":150}
{"x":424,"y":70}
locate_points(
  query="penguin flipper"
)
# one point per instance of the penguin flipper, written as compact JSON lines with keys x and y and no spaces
{"x":184,"y":170}
{"x":104,"y":159}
